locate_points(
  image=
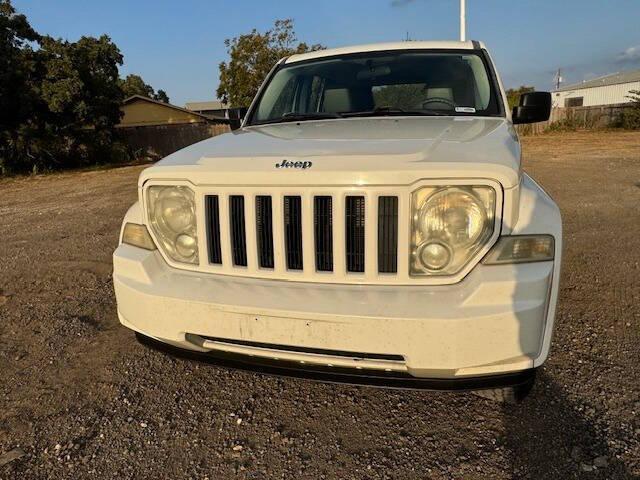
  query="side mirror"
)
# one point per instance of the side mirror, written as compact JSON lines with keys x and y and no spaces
{"x":534,"y":107}
{"x":236,"y":115}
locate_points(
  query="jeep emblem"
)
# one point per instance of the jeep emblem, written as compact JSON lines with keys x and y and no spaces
{"x":287,"y":164}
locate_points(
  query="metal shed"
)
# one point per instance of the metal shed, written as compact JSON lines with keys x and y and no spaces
{"x":611,"y":89}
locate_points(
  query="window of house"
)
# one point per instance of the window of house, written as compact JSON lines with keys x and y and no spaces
{"x":574,"y":102}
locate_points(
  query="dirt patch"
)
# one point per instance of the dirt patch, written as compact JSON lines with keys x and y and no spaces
{"x":79,"y":398}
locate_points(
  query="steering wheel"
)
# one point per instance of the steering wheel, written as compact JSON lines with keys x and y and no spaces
{"x":439,"y":100}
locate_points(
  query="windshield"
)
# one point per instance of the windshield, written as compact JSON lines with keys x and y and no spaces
{"x":382,"y":83}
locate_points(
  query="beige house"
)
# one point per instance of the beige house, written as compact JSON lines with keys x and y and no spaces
{"x":155,"y":129}
{"x":139,"y":111}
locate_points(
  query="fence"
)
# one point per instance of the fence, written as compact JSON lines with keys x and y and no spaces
{"x":578,"y":118}
{"x":157,"y":141}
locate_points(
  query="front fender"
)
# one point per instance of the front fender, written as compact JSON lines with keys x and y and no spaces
{"x":539,"y":214}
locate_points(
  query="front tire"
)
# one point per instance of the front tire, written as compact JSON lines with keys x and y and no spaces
{"x":508,"y":395}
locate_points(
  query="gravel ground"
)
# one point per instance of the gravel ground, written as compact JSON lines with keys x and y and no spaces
{"x":79,"y":398}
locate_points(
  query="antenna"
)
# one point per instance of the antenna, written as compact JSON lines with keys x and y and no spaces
{"x":463,"y":21}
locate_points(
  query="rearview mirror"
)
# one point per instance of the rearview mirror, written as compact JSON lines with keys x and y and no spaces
{"x":373,"y":72}
{"x":534,"y":107}
{"x":236,"y":115}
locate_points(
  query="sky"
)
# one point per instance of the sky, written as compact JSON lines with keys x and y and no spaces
{"x":177,"y":46}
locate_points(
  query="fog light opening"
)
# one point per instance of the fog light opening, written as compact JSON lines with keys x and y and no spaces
{"x":434,"y":255}
{"x":186,"y":245}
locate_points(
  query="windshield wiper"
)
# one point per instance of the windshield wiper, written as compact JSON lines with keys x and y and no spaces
{"x":392,"y":111}
{"x":299,"y":117}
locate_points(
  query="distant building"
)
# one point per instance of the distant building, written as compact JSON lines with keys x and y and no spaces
{"x":215,"y":108}
{"x":153,"y":129}
{"x":608,"y":90}
{"x":139,"y":111}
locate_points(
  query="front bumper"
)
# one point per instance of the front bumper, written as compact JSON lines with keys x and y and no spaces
{"x":497,"y":321}
{"x":523,"y":380}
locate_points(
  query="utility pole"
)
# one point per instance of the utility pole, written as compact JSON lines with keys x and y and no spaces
{"x":558,"y":78}
{"x":463,"y":21}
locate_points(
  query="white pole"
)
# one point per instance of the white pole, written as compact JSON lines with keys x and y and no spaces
{"x":463,"y":21}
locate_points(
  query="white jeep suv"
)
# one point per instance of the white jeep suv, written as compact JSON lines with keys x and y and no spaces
{"x":368,"y":221}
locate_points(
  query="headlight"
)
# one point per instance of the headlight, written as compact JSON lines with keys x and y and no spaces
{"x":172,"y":217}
{"x":450,"y":225}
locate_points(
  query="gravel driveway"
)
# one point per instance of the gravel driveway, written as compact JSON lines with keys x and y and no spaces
{"x":80,"y":398}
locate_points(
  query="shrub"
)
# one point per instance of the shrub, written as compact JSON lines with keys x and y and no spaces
{"x":631,"y":116}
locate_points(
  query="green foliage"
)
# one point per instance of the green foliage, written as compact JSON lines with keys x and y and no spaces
{"x":407,"y":96}
{"x":161,"y":96}
{"x":135,"y":85}
{"x":17,"y":69}
{"x":59,"y":101}
{"x":573,"y":123}
{"x":251,"y":57}
{"x":631,"y":116}
{"x":513,"y":95}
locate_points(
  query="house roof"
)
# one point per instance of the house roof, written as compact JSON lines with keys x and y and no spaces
{"x":377,"y":47}
{"x":209,"y":105}
{"x":611,"y":79}
{"x":134,"y":98}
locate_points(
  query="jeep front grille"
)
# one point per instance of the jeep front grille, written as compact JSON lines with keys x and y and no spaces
{"x":323,"y":254}
{"x":325,"y":234}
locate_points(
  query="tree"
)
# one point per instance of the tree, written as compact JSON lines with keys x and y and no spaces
{"x":18,"y":69}
{"x":251,"y":57}
{"x":80,"y":89}
{"x":59,"y":102}
{"x":513,"y":95}
{"x":135,"y":85}
{"x":631,"y":115}
{"x":161,"y":96}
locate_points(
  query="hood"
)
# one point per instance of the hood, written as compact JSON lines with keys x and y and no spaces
{"x":354,"y":151}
